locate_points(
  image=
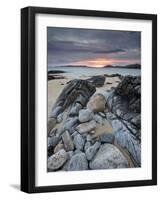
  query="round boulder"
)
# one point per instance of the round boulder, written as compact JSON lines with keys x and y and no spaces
{"x":108,"y":157}
{"x":57,"y":160}
{"x":97,"y":103}
{"x":85,"y":115}
{"x":78,"y":162}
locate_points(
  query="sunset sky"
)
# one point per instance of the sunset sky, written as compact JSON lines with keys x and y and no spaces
{"x":92,"y":47}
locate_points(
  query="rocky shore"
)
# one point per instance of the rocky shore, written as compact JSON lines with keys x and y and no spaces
{"x":90,"y":127}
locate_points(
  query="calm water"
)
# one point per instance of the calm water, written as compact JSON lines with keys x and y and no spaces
{"x":97,"y":71}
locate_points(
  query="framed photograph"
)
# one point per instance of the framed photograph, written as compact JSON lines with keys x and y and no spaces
{"x":88,"y":99}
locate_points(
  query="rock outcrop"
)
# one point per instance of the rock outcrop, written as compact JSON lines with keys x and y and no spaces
{"x":97,"y":81}
{"x":124,"y":103}
{"x":76,"y":91}
{"x":89,"y":129}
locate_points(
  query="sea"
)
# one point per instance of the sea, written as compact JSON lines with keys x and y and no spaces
{"x":97,"y":71}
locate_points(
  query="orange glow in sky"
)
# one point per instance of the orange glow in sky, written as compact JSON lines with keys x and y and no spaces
{"x":100,"y":62}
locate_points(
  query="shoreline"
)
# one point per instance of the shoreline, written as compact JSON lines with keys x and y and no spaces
{"x":55,"y":86}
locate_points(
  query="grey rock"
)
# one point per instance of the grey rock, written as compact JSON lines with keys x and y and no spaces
{"x":75,"y":109}
{"x":51,"y":124}
{"x":78,"y":162}
{"x":136,"y":121}
{"x":53,"y":132}
{"x":126,"y":97}
{"x":124,"y":104}
{"x":48,"y":141}
{"x":81,"y":100}
{"x":70,"y":123}
{"x":77,"y":151}
{"x":55,"y":112}
{"x":67,"y":140}
{"x":70,"y":154}
{"x":107,"y":138}
{"x":86,"y":127}
{"x":73,"y":134}
{"x":85,"y":115}
{"x":57,"y":160}
{"x":58,"y":147}
{"x":98,"y":118}
{"x":110,"y":116}
{"x":89,"y":137}
{"x":127,"y":140}
{"x":91,"y":151}
{"x":53,"y":141}
{"x":60,"y":118}
{"x":95,"y":139}
{"x":87,"y":145}
{"x":97,"y":81}
{"x":102,"y":114}
{"x":65,"y":166}
{"x":79,"y":141}
{"x":108,"y":157}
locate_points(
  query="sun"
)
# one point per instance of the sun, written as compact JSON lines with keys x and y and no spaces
{"x":97,"y":62}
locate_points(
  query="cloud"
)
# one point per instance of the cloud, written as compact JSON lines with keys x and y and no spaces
{"x":111,"y":51}
{"x":71,"y":45}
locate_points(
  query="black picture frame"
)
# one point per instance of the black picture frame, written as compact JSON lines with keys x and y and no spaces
{"x":28,"y":98}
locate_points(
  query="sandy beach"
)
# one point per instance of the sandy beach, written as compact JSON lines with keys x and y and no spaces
{"x":56,"y":86}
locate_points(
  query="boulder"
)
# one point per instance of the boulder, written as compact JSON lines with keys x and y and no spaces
{"x":87,"y":145}
{"x":105,"y":127}
{"x":67,"y":140}
{"x":81,"y":100}
{"x":85,"y":115}
{"x":107,"y":138}
{"x":77,"y":151}
{"x":98,"y":118}
{"x":60,"y":118}
{"x":57,"y":160}
{"x":58,"y":147}
{"x":51,"y":124}
{"x":65,"y":166}
{"x":97,"y":81}
{"x":55,"y":112}
{"x":97,"y":103}
{"x":75,"y":109}
{"x":89,"y":137}
{"x":91,"y":151}
{"x":108,"y":157}
{"x":70,"y":123}
{"x":70,"y":154}
{"x":53,"y":132}
{"x":79,"y":141}
{"x":78,"y":162}
{"x":86,"y":127}
{"x":53,"y":141}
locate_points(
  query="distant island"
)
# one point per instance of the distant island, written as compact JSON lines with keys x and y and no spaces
{"x":131,"y":66}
